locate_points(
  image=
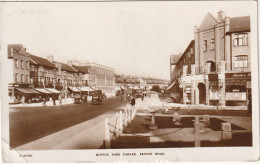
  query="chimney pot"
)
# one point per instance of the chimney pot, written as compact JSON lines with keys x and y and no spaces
{"x":221,"y":15}
{"x":50,"y":58}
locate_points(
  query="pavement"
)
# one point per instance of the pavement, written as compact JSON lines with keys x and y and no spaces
{"x":48,"y":103}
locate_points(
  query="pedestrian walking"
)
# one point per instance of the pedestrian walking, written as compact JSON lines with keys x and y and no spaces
{"x":23,"y":100}
{"x":60,"y":100}
{"x":86,"y":99}
{"x":132,"y":102}
{"x":142,"y":97}
{"x":125,"y":98}
{"x":44,"y":102}
{"x":53,"y":99}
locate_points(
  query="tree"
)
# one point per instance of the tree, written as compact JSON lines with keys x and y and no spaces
{"x":156,"y":88}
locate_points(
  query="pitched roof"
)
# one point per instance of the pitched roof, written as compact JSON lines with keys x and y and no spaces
{"x":41,"y":61}
{"x":175,"y":58}
{"x":239,"y":24}
{"x":208,"y":22}
{"x":83,"y":69}
{"x":66,"y":67}
{"x":17,"y":48}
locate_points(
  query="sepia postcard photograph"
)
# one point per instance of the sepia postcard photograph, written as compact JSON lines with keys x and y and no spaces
{"x":129,"y":81}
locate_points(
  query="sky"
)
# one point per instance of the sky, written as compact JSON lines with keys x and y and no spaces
{"x":134,"y":38}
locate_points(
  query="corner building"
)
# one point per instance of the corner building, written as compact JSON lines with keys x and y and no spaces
{"x":220,"y":73}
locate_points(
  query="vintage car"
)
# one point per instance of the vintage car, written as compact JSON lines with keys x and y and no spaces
{"x":97,"y":97}
{"x":77,"y":98}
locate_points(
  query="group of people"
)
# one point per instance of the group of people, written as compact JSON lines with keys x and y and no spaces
{"x":85,"y":99}
{"x":53,"y":100}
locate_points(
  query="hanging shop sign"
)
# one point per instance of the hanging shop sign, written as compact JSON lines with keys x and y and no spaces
{"x":246,"y":75}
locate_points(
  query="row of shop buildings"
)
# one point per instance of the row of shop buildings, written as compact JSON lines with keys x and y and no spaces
{"x":30,"y":71}
{"x":143,"y":83}
{"x":215,"y":68}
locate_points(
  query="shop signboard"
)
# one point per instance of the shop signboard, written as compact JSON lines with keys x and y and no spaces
{"x":244,"y":75}
{"x":213,"y":77}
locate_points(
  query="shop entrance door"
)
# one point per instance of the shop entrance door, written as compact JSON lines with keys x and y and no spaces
{"x":202,"y":93}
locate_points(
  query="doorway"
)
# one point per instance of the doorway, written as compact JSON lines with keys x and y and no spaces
{"x":202,"y":93}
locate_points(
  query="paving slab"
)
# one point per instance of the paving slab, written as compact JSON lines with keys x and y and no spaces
{"x":183,"y":135}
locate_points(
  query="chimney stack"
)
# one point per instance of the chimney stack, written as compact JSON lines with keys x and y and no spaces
{"x":50,"y":58}
{"x":69,"y":62}
{"x":221,"y":15}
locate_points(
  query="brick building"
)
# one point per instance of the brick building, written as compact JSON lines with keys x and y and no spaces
{"x":219,"y":72}
{"x":19,"y":63}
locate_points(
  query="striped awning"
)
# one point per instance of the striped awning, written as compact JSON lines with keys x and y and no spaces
{"x":74,"y":89}
{"x":32,"y":90}
{"x":42,"y":90}
{"x":25,"y":91}
{"x":85,"y":89}
{"x":52,"y":90}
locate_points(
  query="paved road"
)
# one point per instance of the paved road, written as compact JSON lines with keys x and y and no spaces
{"x":30,"y":123}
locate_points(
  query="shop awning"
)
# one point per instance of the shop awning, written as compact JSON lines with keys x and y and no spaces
{"x":42,"y":90}
{"x":32,"y":90}
{"x":117,"y":88}
{"x":85,"y":89}
{"x":25,"y":91}
{"x":170,"y":86}
{"x":74,"y":89}
{"x":53,"y":90}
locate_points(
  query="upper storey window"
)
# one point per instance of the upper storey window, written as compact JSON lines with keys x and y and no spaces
{"x":240,"y":39}
{"x":205,"y":45}
{"x":212,"y":44}
{"x":241,"y":61}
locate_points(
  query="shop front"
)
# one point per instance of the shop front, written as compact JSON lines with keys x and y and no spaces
{"x":213,"y":89}
{"x":238,"y":88}
{"x":19,"y":93}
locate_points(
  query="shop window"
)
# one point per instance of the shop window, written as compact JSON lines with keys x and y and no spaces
{"x":241,"y":61}
{"x":212,"y":44}
{"x":236,"y":88}
{"x":240,"y":39}
{"x":16,"y":63}
{"x":205,"y":45}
